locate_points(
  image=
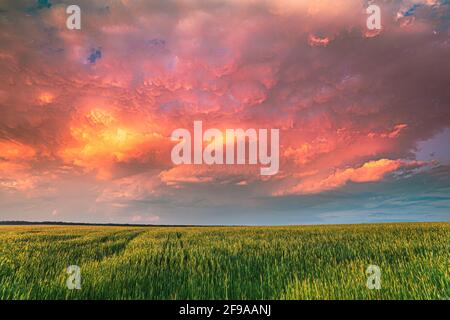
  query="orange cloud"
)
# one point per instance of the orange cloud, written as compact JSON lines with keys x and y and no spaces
{"x":307,"y":152}
{"x":14,"y":177}
{"x":15,"y":151}
{"x":17,"y":171}
{"x":102,"y":140}
{"x":369,"y":172}
{"x":45,"y":98}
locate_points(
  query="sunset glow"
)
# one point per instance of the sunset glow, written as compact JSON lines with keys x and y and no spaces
{"x":86,"y":116}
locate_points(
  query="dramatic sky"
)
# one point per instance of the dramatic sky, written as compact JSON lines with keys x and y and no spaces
{"x":86,"y":115}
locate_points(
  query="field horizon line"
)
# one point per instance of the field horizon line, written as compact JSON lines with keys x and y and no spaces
{"x":102,"y":224}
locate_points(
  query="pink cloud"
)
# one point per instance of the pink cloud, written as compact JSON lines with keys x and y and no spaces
{"x":145,"y":219}
{"x":371,"y":171}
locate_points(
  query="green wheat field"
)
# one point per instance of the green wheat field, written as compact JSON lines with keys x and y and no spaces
{"x":299,"y":262}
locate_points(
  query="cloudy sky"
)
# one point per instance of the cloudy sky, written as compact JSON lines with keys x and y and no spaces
{"x":86,"y":115}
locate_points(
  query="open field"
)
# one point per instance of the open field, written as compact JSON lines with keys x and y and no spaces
{"x":305,"y":262}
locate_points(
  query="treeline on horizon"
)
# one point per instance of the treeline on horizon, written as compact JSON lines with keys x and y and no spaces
{"x":60,"y":223}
